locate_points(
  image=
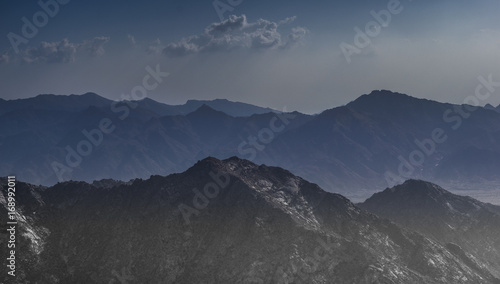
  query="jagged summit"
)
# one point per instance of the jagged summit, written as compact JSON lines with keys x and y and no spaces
{"x":418,"y":186}
{"x":249,"y":172}
{"x":382,"y":99}
{"x":233,"y":162}
{"x":382,"y":95}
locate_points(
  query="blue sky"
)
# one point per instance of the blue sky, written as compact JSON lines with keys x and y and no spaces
{"x":270,"y":53}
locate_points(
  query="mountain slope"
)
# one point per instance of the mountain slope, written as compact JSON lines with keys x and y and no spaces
{"x":357,"y":145}
{"x":225,"y":221}
{"x":448,"y":218}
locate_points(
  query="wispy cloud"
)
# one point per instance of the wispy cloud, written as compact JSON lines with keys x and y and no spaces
{"x":131,"y":39}
{"x":51,"y":52}
{"x":95,"y":46}
{"x":237,"y":33}
{"x":155,"y":47}
{"x":62,"y":51}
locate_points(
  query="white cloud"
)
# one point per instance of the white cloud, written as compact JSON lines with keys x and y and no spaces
{"x":95,"y":46}
{"x":288,"y":20}
{"x":156,"y":47}
{"x":51,"y":52}
{"x":62,"y":51}
{"x":237,"y":33}
{"x":296,"y":36}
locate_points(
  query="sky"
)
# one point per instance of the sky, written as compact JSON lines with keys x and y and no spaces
{"x":299,"y":55}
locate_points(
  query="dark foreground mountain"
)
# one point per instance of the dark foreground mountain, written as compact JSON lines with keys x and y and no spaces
{"x":454,"y":220}
{"x":225,"y":221}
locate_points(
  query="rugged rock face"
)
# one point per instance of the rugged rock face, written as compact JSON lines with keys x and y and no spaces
{"x":458,"y":221}
{"x":225,"y":221}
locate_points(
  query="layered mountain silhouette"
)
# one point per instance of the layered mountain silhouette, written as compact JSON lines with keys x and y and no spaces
{"x":82,"y":102}
{"x":141,"y":144}
{"x":379,"y":139}
{"x":228,"y":221}
{"x":459,"y":222}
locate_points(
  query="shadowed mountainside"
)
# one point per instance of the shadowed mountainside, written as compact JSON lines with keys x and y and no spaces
{"x":451,"y":219}
{"x":225,"y":221}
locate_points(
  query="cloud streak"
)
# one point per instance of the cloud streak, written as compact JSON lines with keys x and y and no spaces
{"x":62,"y":51}
{"x":95,"y":46}
{"x":236,"y":33}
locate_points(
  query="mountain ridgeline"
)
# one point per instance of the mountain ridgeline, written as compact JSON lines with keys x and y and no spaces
{"x":228,"y":221}
{"x":377,"y":140}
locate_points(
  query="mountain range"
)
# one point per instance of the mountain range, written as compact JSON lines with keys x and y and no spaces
{"x":375,"y":141}
{"x":84,"y":101}
{"x":228,"y":221}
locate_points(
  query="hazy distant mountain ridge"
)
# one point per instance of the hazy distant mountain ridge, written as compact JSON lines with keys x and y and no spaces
{"x":357,"y":144}
{"x":55,"y":103}
{"x":84,"y":101}
{"x":348,"y":149}
{"x":141,"y":144}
